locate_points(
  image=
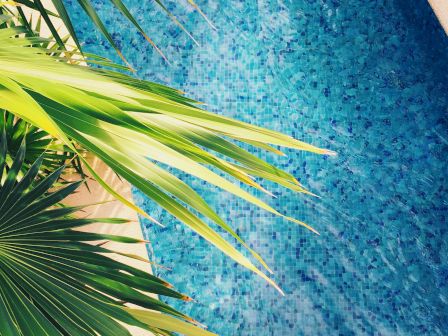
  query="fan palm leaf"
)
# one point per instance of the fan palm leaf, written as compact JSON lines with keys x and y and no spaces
{"x":53,"y":282}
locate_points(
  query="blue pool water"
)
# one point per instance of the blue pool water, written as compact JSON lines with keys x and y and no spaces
{"x":368,"y":79}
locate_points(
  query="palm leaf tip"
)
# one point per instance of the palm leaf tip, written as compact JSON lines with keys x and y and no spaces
{"x":195,"y":6}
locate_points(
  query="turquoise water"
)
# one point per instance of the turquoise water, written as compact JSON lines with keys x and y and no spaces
{"x":367,"y":79}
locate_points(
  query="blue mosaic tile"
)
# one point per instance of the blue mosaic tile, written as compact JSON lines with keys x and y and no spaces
{"x":367,"y":79}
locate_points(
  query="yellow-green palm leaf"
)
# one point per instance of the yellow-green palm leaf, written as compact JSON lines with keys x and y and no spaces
{"x":134,"y":125}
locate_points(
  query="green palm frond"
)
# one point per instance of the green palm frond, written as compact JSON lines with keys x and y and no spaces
{"x":132,"y":125}
{"x":53,"y":282}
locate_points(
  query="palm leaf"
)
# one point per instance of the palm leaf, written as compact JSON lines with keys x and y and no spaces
{"x":125,"y":122}
{"x":52,"y":282}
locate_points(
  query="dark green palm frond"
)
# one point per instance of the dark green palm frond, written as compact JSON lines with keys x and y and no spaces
{"x":52,"y":282}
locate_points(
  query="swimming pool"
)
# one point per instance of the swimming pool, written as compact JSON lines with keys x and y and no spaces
{"x":367,"y":79}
